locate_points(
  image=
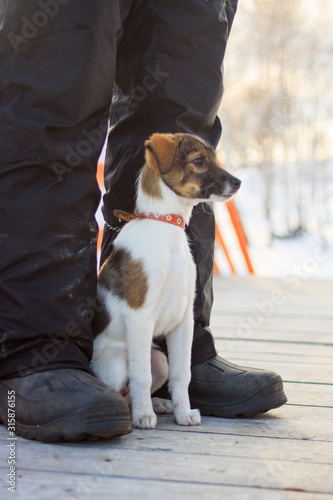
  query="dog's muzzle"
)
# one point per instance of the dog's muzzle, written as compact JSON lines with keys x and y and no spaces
{"x":222,"y":185}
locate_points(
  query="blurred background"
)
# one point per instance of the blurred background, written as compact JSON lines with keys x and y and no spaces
{"x":277,"y":118}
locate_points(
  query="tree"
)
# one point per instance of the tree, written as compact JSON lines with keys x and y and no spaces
{"x":277,"y":113}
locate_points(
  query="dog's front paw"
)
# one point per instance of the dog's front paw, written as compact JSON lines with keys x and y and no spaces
{"x":148,"y":421}
{"x":192,"y":417}
{"x":162,"y":406}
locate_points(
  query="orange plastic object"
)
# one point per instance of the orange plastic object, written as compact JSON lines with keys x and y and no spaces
{"x":235,"y":219}
{"x":99,"y":238}
{"x":100,"y":174}
{"x":219,"y":240}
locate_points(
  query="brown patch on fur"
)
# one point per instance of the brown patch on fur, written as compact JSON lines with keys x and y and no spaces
{"x":150,"y":182}
{"x":189,"y":190}
{"x":125,"y":277}
{"x":183,"y":180}
{"x":161,"y":151}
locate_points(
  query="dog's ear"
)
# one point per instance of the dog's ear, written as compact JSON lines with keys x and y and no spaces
{"x":161,"y":150}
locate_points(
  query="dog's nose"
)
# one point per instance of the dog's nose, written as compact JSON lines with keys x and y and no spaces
{"x":236,"y":182}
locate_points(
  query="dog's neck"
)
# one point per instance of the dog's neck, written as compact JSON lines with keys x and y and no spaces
{"x":168,"y":202}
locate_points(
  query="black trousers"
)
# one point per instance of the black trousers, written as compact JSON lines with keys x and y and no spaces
{"x":62,"y":63}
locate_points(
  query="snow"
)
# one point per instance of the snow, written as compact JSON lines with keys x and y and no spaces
{"x":306,"y":255}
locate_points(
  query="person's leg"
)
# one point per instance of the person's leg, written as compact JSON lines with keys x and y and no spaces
{"x":169,"y":79}
{"x":57,"y":64}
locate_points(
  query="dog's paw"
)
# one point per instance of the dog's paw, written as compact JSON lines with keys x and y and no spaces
{"x":148,"y":421}
{"x":162,"y":406}
{"x":192,"y":417}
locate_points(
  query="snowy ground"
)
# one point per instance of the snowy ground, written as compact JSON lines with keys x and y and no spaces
{"x":304,"y":256}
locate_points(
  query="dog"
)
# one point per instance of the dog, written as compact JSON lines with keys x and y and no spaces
{"x":146,"y":287}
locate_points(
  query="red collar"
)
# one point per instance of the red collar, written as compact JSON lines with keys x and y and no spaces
{"x":176,"y":220}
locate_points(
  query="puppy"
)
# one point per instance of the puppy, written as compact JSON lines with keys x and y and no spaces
{"x":146,"y":287}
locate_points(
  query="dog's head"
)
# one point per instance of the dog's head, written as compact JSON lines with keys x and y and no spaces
{"x":188,"y":166}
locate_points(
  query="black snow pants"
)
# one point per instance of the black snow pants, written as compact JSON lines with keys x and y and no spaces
{"x":62,"y":63}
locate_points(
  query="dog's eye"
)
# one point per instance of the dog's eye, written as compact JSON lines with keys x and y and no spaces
{"x":198,"y":162}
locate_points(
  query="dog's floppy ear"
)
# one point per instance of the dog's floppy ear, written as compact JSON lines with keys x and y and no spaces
{"x":161,"y":152}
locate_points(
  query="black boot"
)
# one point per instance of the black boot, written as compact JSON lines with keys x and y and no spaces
{"x":222,"y":389}
{"x":63,"y":405}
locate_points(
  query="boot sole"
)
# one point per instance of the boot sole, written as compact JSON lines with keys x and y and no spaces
{"x":272,"y":396}
{"x":78,"y":426}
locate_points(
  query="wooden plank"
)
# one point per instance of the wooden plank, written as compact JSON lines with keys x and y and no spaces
{"x":293,"y":309}
{"x":275,"y":301}
{"x":306,"y":394}
{"x":296,"y":422}
{"x":292,"y":286}
{"x":233,"y":446}
{"x":217,"y":444}
{"x":249,"y":323}
{"x":240,"y":333}
{"x":288,"y":422}
{"x":261,"y":470}
{"x":315,"y":291}
{"x":283,"y":357}
{"x":236,"y":345}
{"x":45,"y":486}
{"x":289,"y":305}
{"x":254,"y":472}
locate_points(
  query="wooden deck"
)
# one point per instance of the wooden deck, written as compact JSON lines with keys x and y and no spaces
{"x":284,"y":454}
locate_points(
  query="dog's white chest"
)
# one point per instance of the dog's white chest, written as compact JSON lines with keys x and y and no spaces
{"x":168,"y":264}
{"x":177,"y":293}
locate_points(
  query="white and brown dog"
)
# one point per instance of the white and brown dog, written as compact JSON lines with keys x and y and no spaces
{"x":146,"y":287}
